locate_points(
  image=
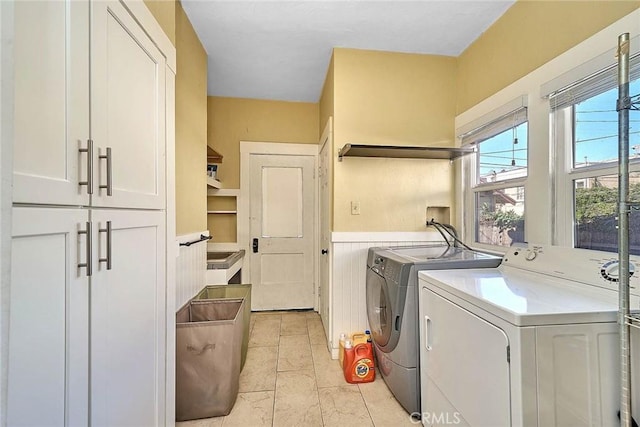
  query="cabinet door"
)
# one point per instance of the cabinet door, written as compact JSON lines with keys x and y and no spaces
{"x":127,"y":110}
{"x":51,"y":101}
{"x":465,"y":373}
{"x":128,"y":309}
{"x":48,"y":332}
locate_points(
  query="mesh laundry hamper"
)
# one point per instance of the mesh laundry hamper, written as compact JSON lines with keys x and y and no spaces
{"x":208,"y":346}
{"x":232,"y":291}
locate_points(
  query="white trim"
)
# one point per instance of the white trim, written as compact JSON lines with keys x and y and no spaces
{"x":281,"y":148}
{"x":6,"y":179}
{"x":385,"y":236}
{"x":145,"y":18}
{"x":326,"y":140}
{"x":172,"y":249}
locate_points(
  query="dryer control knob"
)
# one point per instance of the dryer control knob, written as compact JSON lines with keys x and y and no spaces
{"x":611,"y":270}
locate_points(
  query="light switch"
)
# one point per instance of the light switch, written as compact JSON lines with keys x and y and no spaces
{"x":355,"y":208}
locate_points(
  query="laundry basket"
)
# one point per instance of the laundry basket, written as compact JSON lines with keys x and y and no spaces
{"x":232,"y":291}
{"x":208,"y":346}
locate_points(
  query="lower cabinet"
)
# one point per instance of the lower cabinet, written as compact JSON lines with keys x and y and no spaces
{"x":87,"y":345}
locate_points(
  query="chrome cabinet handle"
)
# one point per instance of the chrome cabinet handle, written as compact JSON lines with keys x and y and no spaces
{"x":107,"y":259}
{"x":109,"y":185}
{"x":87,"y":263}
{"x":89,"y":151}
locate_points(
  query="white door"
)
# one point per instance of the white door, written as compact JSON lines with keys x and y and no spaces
{"x":48,"y":321}
{"x":466,"y":368}
{"x":127,"y":111}
{"x":324,"y":175}
{"x":281,"y":228}
{"x":127,"y":319}
{"x":51,"y":74}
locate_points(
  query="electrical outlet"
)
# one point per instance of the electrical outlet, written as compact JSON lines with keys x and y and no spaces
{"x":355,"y":208}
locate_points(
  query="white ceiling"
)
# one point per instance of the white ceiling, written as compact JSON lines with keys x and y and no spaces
{"x":280,"y":50}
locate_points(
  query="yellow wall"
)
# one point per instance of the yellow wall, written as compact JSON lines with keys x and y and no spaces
{"x":528,"y":35}
{"x":165,"y":13}
{"x":191,"y":128}
{"x":391,"y":98}
{"x":232,"y":120}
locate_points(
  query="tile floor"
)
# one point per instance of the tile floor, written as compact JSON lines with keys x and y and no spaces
{"x":289,"y":379}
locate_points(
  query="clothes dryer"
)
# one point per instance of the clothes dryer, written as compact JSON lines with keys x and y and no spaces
{"x":533,"y":342}
{"x":392,"y":308}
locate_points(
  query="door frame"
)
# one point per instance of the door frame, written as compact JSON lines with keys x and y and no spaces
{"x":326,"y":143}
{"x":247,"y":149}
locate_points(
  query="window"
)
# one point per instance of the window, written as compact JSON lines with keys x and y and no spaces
{"x":497,"y":177}
{"x":585,"y":129}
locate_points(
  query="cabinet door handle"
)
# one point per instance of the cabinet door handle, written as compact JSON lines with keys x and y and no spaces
{"x":109,"y":185}
{"x":87,"y":263}
{"x":107,"y":259}
{"x":89,"y":151}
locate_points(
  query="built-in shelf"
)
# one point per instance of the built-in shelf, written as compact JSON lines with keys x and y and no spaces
{"x":402,"y":152}
{"x":223,"y":192}
{"x":222,"y":212}
{"x":213,"y":183}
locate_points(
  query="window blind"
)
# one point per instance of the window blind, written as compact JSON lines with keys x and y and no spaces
{"x":593,"y":85}
{"x":494,"y":127}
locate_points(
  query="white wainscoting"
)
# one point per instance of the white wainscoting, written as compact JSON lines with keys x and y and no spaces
{"x":191,"y":267}
{"x":348,"y":284}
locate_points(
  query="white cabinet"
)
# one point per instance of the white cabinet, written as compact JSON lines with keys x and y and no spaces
{"x":48,"y":365}
{"x":88,"y":311}
{"x":90,"y":107}
{"x":127,"y":111}
{"x":51,"y":55}
{"x":127,"y":319}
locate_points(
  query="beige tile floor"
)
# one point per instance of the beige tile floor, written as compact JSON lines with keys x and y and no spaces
{"x":289,"y":379}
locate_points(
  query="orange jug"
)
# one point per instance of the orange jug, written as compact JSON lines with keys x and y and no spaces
{"x":358,"y":363}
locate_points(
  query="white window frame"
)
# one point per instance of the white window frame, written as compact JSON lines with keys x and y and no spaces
{"x":565,"y":174}
{"x":471,"y":184}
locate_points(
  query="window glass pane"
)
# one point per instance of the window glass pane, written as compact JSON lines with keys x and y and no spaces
{"x":503,"y":156}
{"x":596,"y":129}
{"x":500,"y":216}
{"x":595,"y":201}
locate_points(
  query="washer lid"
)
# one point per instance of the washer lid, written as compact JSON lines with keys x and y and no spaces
{"x":458,"y":257}
{"x":524,"y":298}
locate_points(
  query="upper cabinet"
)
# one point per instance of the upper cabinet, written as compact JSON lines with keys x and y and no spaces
{"x":97,"y":136}
{"x":51,"y":55}
{"x":127,"y":110}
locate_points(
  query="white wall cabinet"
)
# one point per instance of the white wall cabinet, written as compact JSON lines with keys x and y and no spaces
{"x":88,"y":346}
{"x":114,"y":156}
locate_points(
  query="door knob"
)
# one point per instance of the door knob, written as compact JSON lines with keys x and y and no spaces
{"x":255,"y":246}
{"x":325,"y":251}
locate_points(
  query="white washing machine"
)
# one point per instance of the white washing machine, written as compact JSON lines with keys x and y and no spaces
{"x":533,"y":342}
{"x":392,"y":308}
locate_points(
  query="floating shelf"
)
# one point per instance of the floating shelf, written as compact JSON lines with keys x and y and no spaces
{"x":222,"y":212}
{"x":402,"y":152}
{"x":213,"y":156}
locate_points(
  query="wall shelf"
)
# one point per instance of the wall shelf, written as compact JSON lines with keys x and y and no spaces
{"x":223,"y":192}
{"x":402,"y":152}
{"x":222,"y":212}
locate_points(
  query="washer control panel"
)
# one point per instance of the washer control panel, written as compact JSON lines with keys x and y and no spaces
{"x":593,"y":267}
